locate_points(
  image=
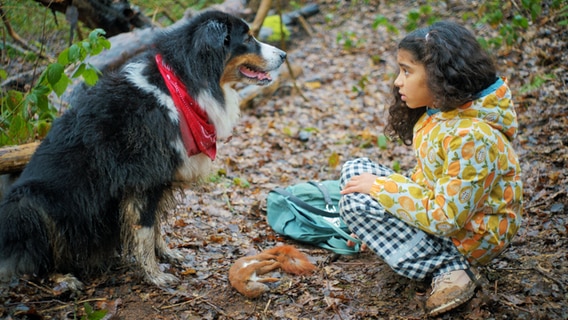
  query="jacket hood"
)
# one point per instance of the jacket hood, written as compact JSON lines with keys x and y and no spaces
{"x":494,"y":106}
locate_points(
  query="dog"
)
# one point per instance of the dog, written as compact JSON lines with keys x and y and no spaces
{"x":104,"y":177}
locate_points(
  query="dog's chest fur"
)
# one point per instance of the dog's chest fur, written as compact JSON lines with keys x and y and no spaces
{"x":223,"y":114}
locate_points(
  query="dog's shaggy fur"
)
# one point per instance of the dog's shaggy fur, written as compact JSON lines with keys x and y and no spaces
{"x":102,"y":179}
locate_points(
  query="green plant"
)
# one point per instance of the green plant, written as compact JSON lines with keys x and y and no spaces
{"x":28,"y":115}
{"x":533,"y":7}
{"x":241,"y":182}
{"x":382,"y":142}
{"x":535,"y":83}
{"x":349,"y":40}
{"x":381,"y":20}
{"x":361,"y":84}
{"x":415,"y":18}
{"x":396,"y":166}
{"x":562,"y":16}
{"x":91,"y":314}
{"x":510,"y":21}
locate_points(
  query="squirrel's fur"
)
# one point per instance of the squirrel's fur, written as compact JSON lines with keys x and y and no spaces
{"x":245,"y":274}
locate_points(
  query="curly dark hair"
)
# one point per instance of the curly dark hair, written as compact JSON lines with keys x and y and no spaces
{"x":457,"y":69}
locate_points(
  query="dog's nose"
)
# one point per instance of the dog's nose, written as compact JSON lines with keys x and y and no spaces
{"x":282,"y":56}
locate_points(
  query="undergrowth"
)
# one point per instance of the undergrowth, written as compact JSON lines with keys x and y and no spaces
{"x":27,"y":116}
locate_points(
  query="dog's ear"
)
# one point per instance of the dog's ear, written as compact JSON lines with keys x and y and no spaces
{"x":213,"y":34}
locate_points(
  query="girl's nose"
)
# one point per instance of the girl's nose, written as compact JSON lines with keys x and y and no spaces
{"x":398,"y":81}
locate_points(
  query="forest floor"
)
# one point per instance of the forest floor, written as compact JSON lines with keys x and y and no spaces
{"x":293,"y":136}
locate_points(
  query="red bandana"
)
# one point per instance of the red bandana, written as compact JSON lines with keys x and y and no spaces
{"x":197,"y":133}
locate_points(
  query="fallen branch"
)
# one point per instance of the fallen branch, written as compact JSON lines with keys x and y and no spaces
{"x":20,"y":80}
{"x":260,"y":16}
{"x":13,"y":159}
{"x":114,"y":17}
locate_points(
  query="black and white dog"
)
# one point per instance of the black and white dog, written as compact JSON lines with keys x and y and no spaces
{"x":102,"y":179}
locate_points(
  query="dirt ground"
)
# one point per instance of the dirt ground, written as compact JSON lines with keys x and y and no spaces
{"x":292,"y":136}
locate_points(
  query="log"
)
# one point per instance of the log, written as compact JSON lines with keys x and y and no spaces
{"x":13,"y":159}
{"x":114,"y":17}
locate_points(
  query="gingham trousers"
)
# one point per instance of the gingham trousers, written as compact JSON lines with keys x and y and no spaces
{"x":408,"y":250}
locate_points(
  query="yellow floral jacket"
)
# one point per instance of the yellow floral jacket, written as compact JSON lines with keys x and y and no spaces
{"x":467,"y":181}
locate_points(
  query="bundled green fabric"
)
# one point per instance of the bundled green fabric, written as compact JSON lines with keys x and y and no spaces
{"x":308,"y":212}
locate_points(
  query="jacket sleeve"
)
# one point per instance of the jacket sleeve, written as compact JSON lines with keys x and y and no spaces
{"x":463,"y":183}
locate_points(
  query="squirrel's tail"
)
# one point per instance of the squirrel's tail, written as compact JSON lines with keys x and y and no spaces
{"x":292,"y":260}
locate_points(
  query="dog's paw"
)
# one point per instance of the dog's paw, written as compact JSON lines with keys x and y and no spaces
{"x":172,"y":255}
{"x":162,"y":279}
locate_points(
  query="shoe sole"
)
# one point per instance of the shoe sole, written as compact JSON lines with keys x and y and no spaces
{"x":453,"y":303}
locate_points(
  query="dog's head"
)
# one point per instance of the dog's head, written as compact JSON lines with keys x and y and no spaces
{"x":218,"y":46}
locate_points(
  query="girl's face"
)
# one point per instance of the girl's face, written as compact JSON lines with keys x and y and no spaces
{"x":411,"y":82}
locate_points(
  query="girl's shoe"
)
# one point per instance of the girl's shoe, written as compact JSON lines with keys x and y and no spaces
{"x":450,"y":290}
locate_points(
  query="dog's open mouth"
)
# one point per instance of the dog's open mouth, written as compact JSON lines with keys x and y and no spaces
{"x":254,"y":74}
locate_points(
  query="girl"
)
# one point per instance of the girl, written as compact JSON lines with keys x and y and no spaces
{"x":462,"y":204}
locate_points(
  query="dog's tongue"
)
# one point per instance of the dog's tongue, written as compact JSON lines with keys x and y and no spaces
{"x":255,"y":74}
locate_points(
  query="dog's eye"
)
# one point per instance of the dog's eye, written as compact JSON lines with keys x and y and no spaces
{"x":227,"y":40}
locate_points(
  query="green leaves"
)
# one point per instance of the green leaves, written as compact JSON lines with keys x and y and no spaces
{"x":90,"y":75}
{"x":381,"y":20}
{"x":28,"y":116}
{"x":382,"y":142}
{"x":57,"y":79}
{"x":54,"y":72}
{"x":91,"y":314}
{"x":510,"y":21}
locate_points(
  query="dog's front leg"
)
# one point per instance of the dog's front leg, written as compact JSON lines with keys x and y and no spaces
{"x":163,"y":251}
{"x":145,"y":256}
{"x":139,"y":217}
{"x":167,"y":202}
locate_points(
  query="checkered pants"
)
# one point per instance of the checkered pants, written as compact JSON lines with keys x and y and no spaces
{"x":409,"y":251}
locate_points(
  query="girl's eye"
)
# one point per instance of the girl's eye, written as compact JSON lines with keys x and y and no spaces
{"x":405,"y":72}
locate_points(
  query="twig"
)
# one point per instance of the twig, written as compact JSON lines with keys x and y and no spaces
{"x":260,"y":16}
{"x":539,"y":270}
{"x":545,"y":201}
{"x":347,"y":263}
{"x":288,"y":65}
{"x":71,"y":303}
{"x":179,"y":304}
{"x":513,"y":305}
{"x":46,"y":290}
{"x":306,"y":26}
{"x":167,"y":14}
{"x":267,"y":305}
{"x":216,"y":308}
{"x":194,"y":299}
{"x":561,"y":285}
{"x":294,"y":80}
{"x":13,"y":33}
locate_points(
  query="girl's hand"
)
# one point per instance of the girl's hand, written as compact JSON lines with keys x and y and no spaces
{"x":352,"y":244}
{"x":361,"y":183}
